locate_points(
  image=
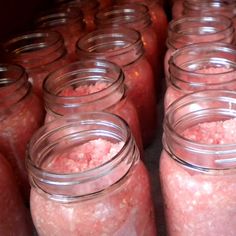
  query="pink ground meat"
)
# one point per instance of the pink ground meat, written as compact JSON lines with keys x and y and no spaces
{"x":220,"y":132}
{"x":84,"y":157}
{"x":84,"y":90}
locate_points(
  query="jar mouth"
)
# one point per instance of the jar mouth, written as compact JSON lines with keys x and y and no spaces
{"x":110,"y":43}
{"x":68,"y":132}
{"x":209,"y":5}
{"x":201,"y":107}
{"x":200,"y":25}
{"x":31,"y":42}
{"x":57,"y":18}
{"x":203,"y":64}
{"x":35,"y":48}
{"x":82,"y":85}
{"x":131,"y":15}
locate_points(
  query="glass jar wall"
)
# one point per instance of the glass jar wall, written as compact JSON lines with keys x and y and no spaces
{"x":87,"y":179}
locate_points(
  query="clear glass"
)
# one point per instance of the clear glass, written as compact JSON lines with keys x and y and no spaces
{"x":197,"y":166}
{"x":39,"y":52}
{"x":201,"y":66}
{"x":89,"y":9}
{"x":137,"y":17}
{"x":189,"y":30}
{"x":14,"y":217}
{"x":104,"y":191}
{"x":124,"y":47}
{"x":21,"y":115}
{"x":69,"y":23}
{"x":90,"y":85}
{"x":158,"y":17}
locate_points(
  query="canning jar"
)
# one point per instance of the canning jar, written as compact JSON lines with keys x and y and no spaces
{"x":87,"y":179}
{"x":158,"y":17}
{"x":14,"y":217}
{"x":69,"y":23}
{"x":125,"y":48}
{"x":39,"y":52}
{"x":137,"y":17}
{"x":90,"y":85}
{"x":21,"y":114}
{"x":201,"y":66}
{"x":197,"y":166}
{"x":89,"y":9}
{"x":189,"y":30}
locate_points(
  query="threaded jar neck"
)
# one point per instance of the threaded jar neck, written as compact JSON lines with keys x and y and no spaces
{"x":61,"y":136}
{"x":135,"y":16}
{"x":189,"y":30}
{"x":89,"y":85}
{"x":35,"y":49}
{"x":119,"y":45}
{"x":203,"y":66}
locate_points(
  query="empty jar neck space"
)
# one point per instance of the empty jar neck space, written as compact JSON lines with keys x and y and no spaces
{"x":14,"y":85}
{"x":90,"y":85}
{"x":203,"y":66}
{"x":119,"y":45}
{"x":189,"y":30}
{"x":187,"y":142}
{"x":135,"y":16}
{"x":35,"y":49}
{"x":61,"y":137}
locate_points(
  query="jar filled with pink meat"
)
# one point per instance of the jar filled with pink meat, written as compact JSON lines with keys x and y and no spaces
{"x":21,"y":115}
{"x":87,"y":179}
{"x":198,"y":165}
{"x":90,"y":85}
{"x":201,"y":66}
{"x":189,"y":30}
{"x":39,"y":52}
{"x":137,"y":17}
{"x":125,"y":48}
{"x":68,"y":22}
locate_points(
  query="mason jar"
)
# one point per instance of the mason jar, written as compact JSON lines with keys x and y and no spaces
{"x":89,"y":9}
{"x":39,"y":52}
{"x":21,"y":115}
{"x":189,"y":30}
{"x":201,"y":66}
{"x":87,"y":178}
{"x":137,"y":17}
{"x":14,"y":217}
{"x":158,"y":17}
{"x":90,"y":85}
{"x":125,"y":48}
{"x":197,"y":165}
{"x":69,"y":23}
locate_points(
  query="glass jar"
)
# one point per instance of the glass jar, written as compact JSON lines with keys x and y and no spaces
{"x":87,"y":179}
{"x":68,"y":23}
{"x":124,"y":47}
{"x":21,"y":115}
{"x":197,"y":166}
{"x":189,"y":30}
{"x":177,"y":9}
{"x":39,"y":52}
{"x":90,"y":85}
{"x":137,"y":17}
{"x":158,"y":17}
{"x":14,"y":217}
{"x":89,"y":9}
{"x":201,"y":66}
